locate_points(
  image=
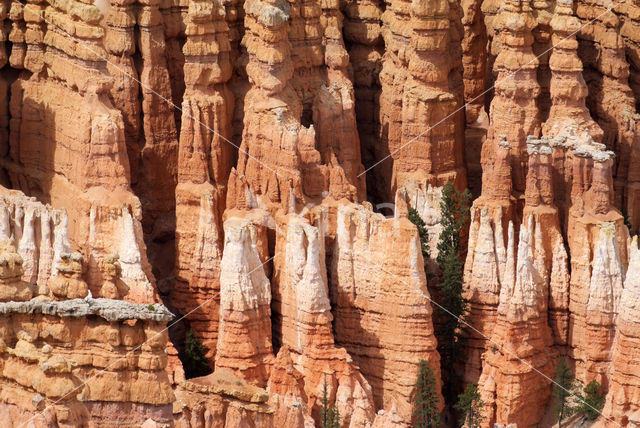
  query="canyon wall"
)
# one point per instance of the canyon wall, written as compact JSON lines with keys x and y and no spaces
{"x":224,"y":158}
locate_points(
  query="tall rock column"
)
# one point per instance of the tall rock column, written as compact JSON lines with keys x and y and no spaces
{"x":363,"y":34}
{"x":514,"y":112}
{"x":417,"y":102}
{"x":611,"y":100}
{"x":157,"y":169}
{"x":597,"y":239}
{"x":383,"y":320}
{"x":286,"y":104}
{"x":624,"y":389}
{"x":135,"y":30}
{"x":422,"y":88}
{"x":303,"y":324}
{"x":205,"y":159}
{"x":534,"y":279}
{"x":568,"y":88}
{"x":484,"y":268}
{"x":474,"y":60}
{"x":244,"y":339}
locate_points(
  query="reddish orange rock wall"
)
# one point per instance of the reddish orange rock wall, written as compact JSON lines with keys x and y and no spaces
{"x":371,"y":314}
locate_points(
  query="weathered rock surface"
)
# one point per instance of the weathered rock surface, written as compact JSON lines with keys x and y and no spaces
{"x":203,"y":167}
{"x":510,"y":350}
{"x":222,"y":399}
{"x":244,"y":337}
{"x":219,"y":147}
{"x":419,"y":125}
{"x":303,"y":328}
{"x":83,"y":166}
{"x":621,"y":404}
{"x":80,"y":362}
{"x":383,"y":319}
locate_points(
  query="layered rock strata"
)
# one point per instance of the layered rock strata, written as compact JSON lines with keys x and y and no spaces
{"x":79,"y":362}
{"x":417,"y":102}
{"x":83,"y":168}
{"x":204,"y":163}
{"x":621,"y":404}
{"x":383,"y":320}
{"x":302,"y":326}
{"x":281,"y":102}
{"x":514,"y":113}
{"x":135,"y":31}
{"x":611,"y":100}
{"x":244,"y":336}
{"x":222,"y":399}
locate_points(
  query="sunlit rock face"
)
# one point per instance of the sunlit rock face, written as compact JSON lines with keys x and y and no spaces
{"x":225,"y":158}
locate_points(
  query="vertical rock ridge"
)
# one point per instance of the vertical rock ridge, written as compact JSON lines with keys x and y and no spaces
{"x":516,"y":88}
{"x":383,"y":321}
{"x":302,"y":325}
{"x":244,"y":335}
{"x":621,"y":403}
{"x":416,"y":95}
{"x":204,"y":162}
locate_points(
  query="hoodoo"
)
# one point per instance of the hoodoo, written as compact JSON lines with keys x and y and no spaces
{"x":252,"y":213}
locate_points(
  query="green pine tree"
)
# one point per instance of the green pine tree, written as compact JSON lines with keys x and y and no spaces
{"x":333,"y":419}
{"x":329,"y":414}
{"x":455,"y":209}
{"x":470,"y":406}
{"x":590,"y":404}
{"x":425,"y":402}
{"x":415,"y":218}
{"x":193,"y":361}
{"x":562,"y":387}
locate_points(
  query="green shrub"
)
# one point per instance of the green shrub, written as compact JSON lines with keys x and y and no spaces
{"x":193,"y":361}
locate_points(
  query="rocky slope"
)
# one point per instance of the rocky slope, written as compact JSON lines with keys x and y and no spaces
{"x":235,"y":161}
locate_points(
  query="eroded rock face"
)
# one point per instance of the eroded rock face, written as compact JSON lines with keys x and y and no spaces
{"x":371,"y":313}
{"x":417,"y":94}
{"x":219,"y":146}
{"x":527,"y":278}
{"x":302,"y":326}
{"x":203,"y":167}
{"x":621,"y":404}
{"x":244,"y":340}
{"x":63,"y":363}
{"x":83,"y":167}
{"x":222,"y":399}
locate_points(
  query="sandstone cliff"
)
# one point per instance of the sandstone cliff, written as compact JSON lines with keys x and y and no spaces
{"x":224,"y":157}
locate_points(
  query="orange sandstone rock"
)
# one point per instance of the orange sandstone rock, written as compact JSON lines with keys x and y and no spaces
{"x":302,"y":325}
{"x":203,"y":170}
{"x":222,"y":400}
{"x":84,"y":169}
{"x":568,"y":88}
{"x":384,"y":319}
{"x":244,"y":336}
{"x":63,"y":363}
{"x":622,"y":400}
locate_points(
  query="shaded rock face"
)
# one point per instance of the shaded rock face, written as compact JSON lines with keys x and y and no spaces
{"x":383,"y":320}
{"x":222,"y":157}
